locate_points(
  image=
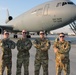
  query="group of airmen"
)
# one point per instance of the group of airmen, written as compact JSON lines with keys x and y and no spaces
{"x":61,"y":49}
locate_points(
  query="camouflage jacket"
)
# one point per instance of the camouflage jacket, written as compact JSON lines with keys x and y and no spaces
{"x":23,"y":47}
{"x":42,"y":47}
{"x":63,"y":49}
{"x":7,"y":45}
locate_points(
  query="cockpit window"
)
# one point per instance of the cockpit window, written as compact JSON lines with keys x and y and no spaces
{"x":64,"y":3}
{"x":59,"y":4}
{"x":70,"y":3}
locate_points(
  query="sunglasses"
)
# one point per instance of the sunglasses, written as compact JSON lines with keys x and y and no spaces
{"x":61,"y":36}
{"x":24,"y":32}
{"x":41,"y":33}
{"x":6,"y":34}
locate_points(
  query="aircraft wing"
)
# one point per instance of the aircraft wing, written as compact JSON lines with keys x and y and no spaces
{"x":4,"y":27}
{"x":8,"y":28}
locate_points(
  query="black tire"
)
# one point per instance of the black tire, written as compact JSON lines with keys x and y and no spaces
{"x":15,"y":36}
{"x":28,"y":36}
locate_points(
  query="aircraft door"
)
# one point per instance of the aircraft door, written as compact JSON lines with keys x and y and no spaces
{"x":46,"y":10}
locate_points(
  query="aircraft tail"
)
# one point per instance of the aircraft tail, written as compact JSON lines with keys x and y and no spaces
{"x":9,"y":18}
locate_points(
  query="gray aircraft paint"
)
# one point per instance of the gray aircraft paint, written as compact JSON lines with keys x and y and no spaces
{"x":47,"y":16}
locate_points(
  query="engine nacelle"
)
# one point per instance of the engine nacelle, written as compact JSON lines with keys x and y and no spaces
{"x":9,"y":19}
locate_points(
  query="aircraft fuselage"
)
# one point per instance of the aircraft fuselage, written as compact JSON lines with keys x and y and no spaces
{"x":48,"y":16}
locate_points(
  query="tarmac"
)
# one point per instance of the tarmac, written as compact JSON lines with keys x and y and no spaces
{"x":51,"y":68}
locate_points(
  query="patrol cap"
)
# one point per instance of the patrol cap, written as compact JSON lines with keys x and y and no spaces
{"x":5,"y":32}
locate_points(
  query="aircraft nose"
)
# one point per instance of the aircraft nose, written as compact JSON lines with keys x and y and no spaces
{"x":73,"y":12}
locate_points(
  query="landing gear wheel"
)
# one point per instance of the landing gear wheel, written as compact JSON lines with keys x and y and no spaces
{"x":15,"y":36}
{"x":28,"y":36}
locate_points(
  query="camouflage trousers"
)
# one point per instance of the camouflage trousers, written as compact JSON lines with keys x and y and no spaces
{"x":62,"y":66}
{"x":38,"y":64}
{"x":8,"y":65}
{"x":25,"y":63}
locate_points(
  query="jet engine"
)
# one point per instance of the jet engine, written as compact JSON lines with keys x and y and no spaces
{"x":9,"y":19}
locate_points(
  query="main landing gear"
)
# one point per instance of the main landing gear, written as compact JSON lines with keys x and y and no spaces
{"x":15,"y":36}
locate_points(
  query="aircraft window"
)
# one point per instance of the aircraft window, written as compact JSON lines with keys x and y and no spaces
{"x":39,"y":11}
{"x":34,"y":12}
{"x":64,"y":3}
{"x":70,"y":3}
{"x":59,"y":4}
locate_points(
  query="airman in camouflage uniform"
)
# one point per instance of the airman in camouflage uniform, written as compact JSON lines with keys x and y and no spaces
{"x":61,"y":49}
{"x":41,"y":58}
{"x":57,"y":39}
{"x":6,"y":44}
{"x":23,"y":47}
